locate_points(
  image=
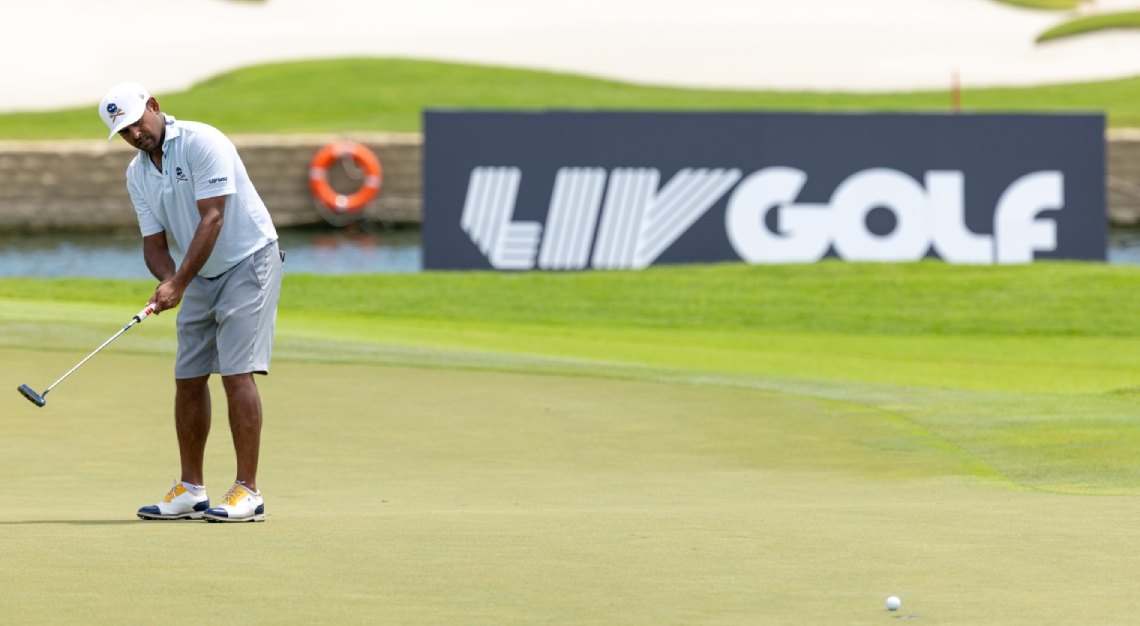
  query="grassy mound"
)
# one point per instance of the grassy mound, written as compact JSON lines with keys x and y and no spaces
{"x":1049,"y":5}
{"x":390,"y":94}
{"x":1129,"y":20}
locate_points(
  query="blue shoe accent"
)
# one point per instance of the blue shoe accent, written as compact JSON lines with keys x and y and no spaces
{"x":201,"y":506}
{"x":218,"y":512}
{"x":259,"y":510}
{"x":150,"y":510}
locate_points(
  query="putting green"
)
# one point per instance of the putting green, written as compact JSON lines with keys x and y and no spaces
{"x":413,"y":495}
{"x":533,"y":486}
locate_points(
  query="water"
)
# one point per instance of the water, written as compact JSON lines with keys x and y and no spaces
{"x":119,"y":254}
{"x":310,"y":251}
{"x":1124,"y":246}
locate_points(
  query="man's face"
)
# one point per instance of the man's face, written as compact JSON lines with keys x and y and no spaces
{"x":147,"y":133}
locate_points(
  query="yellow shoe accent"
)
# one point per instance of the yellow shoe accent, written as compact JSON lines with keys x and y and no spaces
{"x":176,"y":491}
{"x":236,"y":493}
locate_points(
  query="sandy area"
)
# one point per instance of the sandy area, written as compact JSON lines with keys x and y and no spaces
{"x":67,"y":52}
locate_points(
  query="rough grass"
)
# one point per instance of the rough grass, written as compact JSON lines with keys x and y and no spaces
{"x":931,"y":297}
{"x":1129,"y":20}
{"x":390,"y":94}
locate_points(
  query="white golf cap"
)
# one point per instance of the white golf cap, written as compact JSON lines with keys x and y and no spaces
{"x":122,"y":106}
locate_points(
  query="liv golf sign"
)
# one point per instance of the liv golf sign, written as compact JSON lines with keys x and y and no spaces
{"x":572,"y":191}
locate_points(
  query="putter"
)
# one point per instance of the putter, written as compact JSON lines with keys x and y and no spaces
{"x":39,"y":399}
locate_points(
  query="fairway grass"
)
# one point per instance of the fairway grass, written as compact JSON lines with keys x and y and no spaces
{"x":636,"y":450}
{"x":386,"y":94}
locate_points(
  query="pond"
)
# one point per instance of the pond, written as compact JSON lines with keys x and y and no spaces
{"x":310,"y":251}
{"x":119,"y":254}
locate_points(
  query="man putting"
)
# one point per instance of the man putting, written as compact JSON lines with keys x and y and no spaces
{"x":189,"y":185}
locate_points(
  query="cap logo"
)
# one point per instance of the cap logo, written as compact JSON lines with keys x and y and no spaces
{"x":113,"y":109}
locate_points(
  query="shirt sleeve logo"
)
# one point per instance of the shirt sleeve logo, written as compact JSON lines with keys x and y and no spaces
{"x":223,"y":179}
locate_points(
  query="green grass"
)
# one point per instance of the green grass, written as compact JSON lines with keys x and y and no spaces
{"x":1129,"y":20}
{"x":390,"y":94}
{"x":698,"y":445}
{"x":1050,"y":5}
{"x":930,"y":297}
{"x":1036,"y":328}
{"x":1029,"y":330}
{"x":411,"y":495}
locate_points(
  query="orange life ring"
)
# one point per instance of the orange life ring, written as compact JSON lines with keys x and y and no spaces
{"x":364,"y":159}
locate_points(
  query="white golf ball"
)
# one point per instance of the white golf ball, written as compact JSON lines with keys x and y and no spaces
{"x":893,"y":603}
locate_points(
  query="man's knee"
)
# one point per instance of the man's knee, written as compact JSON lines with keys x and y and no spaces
{"x":239,"y":382}
{"x":195,"y":386}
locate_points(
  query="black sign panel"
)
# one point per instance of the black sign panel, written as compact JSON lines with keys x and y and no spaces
{"x":620,"y":190}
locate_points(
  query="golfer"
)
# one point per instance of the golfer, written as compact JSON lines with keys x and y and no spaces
{"x":191,"y":192}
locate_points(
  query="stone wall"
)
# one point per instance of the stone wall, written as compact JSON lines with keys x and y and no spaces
{"x":81,"y":184}
{"x":1123,"y":184}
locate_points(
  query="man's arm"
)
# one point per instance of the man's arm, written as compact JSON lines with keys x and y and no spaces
{"x":156,"y":252}
{"x":170,"y":292}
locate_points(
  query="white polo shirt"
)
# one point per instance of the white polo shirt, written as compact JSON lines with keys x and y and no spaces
{"x":199,"y":162}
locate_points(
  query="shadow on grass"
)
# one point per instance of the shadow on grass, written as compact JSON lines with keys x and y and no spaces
{"x":78,"y":522}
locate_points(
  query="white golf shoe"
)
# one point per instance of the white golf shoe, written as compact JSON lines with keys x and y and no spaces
{"x":179,"y":503}
{"x":239,"y":505}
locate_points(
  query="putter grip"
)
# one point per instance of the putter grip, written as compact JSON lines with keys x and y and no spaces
{"x":142,"y":315}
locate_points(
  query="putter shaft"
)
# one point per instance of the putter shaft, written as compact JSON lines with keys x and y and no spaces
{"x":87,"y":358}
{"x":39,"y":399}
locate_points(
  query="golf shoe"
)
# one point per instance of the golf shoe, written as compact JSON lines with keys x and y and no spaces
{"x":179,"y":503}
{"x":239,"y":505}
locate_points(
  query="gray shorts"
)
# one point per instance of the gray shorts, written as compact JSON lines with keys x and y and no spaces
{"x":225,"y":324}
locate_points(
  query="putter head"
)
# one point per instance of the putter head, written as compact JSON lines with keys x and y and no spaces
{"x":32,"y":396}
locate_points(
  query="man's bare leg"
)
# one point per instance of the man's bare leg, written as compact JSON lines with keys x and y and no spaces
{"x":245,"y":425}
{"x":192,"y":421}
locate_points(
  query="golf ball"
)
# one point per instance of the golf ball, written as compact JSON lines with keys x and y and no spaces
{"x":893,"y":603}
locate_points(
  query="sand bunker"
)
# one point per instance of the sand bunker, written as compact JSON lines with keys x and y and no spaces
{"x":67,"y":52}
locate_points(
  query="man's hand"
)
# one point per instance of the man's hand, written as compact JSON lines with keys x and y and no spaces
{"x":173,"y":286}
{"x":167,"y":296}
